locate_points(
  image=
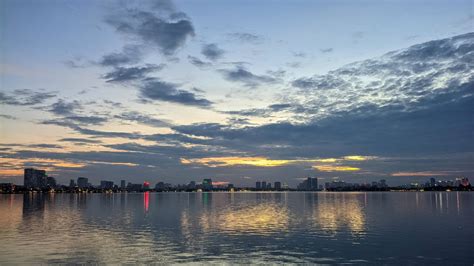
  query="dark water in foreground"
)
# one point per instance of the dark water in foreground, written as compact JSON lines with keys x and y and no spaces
{"x":380,"y":228}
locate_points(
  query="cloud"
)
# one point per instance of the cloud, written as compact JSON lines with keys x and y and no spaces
{"x":320,"y":82}
{"x":246,"y":37}
{"x":87,"y":120}
{"x":8,"y":117}
{"x":125,"y":74}
{"x":157,"y":26}
{"x":212,"y":51}
{"x":130,"y":54}
{"x":279,"y":106}
{"x":441,"y":125}
{"x":81,"y":140}
{"x":198,"y":62}
{"x":143,"y":119}
{"x":64,"y":108}
{"x":261,"y":112}
{"x":299,"y":54}
{"x":242,"y":75}
{"x":326,"y":50}
{"x":45,"y":146}
{"x":155,"y":89}
{"x":25,"y":97}
{"x":335,"y":168}
{"x":398,"y":79}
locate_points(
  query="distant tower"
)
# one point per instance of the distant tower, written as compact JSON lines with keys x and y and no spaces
{"x":82,"y":182}
{"x":258,"y":185}
{"x":122,"y":184}
{"x":72,"y":183}
{"x":264,"y":185}
{"x":34,"y":178}
{"x":277,"y":186}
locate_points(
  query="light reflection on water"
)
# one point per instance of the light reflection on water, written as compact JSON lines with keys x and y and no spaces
{"x":238,"y":227}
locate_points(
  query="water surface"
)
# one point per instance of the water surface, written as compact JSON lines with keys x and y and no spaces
{"x":381,"y":228}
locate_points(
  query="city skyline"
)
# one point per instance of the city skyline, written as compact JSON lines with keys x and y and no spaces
{"x":37,"y":180}
{"x":182,"y":91}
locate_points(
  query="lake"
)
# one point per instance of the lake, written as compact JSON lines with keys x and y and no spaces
{"x":288,"y":227}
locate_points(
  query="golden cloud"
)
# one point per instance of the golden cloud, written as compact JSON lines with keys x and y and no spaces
{"x":266,"y":162}
{"x":335,"y":168}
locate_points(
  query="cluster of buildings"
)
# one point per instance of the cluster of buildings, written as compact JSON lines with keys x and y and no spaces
{"x":38,"y":180}
{"x":339,"y":185}
{"x":433,"y":184}
{"x":267,"y":186}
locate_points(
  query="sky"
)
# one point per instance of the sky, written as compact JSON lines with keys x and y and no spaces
{"x":237,"y":91}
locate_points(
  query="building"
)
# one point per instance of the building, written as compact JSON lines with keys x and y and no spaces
{"x":207,"y":184}
{"x":258,"y":185}
{"x":72,"y":183}
{"x":106,"y":184}
{"x":82,"y":182}
{"x":50,"y":182}
{"x":7,"y":187}
{"x":310,"y":184}
{"x":192,"y":185}
{"x":123,"y":184}
{"x":277,"y":186}
{"x":34,"y":178}
{"x":146,"y":185}
{"x":134,"y":187}
{"x":432,"y":182}
{"x":264,"y":185}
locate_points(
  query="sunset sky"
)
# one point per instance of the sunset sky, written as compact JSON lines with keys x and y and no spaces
{"x":237,"y":91}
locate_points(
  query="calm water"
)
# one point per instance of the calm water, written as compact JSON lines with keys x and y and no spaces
{"x":381,"y":228}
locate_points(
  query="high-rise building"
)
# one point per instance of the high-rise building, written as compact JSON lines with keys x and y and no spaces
{"x":432,"y":182}
{"x":50,"y":182}
{"x":269,"y":185}
{"x":258,"y":185}
{"x":146,"y":185}
{"x":123,"y":184}
{"x":106,"y":184}
{"x":207,"y":184}
{"x":72,"y":183}
{"x":34,"y":178}
{"x":264,"y":185}
{"x":82,"y":182}
{"x":277,"y":185}
{"x":310,"y":184}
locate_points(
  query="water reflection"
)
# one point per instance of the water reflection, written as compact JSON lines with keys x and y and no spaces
{"x":261,"y":218}
{"x":236,"y":227}
{"x":146,"y":201}
{"x":334,"y":214}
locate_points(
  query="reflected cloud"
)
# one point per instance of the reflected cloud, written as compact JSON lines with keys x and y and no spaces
{"x":334,"y":214}
{"x":255,"y":219}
